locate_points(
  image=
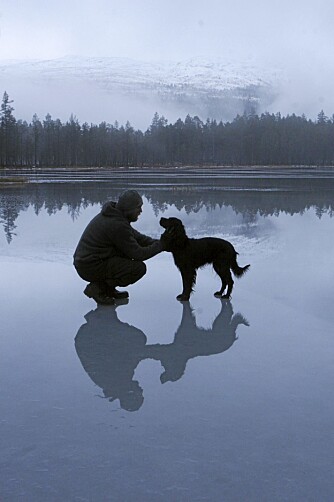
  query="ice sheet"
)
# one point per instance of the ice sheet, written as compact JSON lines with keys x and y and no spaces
{"x":158,"y":400}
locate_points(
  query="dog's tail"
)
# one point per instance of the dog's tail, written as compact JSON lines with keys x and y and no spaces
{"x":238,"y":271}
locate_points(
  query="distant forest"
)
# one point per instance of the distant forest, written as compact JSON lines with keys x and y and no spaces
{"x":250,"y":139}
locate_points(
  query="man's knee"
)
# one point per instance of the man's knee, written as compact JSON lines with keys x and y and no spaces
{"x":139,"y":270}
{"x":124,"y":272}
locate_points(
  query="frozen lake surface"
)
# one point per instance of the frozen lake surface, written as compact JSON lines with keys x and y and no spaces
{"x":157,"y":400}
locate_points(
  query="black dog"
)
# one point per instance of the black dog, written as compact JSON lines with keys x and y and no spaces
{"x":191,"y":254}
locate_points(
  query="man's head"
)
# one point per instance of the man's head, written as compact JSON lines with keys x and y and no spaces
{"x":130,"y":204}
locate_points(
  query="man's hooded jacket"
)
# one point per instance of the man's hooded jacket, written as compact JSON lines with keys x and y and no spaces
{"x":110,"y":234}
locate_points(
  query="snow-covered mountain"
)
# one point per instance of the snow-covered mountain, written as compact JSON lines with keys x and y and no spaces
{"x":125,"y":89}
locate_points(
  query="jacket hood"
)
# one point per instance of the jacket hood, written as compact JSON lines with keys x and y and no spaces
{"x":109,"y":209}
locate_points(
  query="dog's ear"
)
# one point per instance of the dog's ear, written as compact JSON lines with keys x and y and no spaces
{"x":172,"y":231}
{"x":178,"y":225}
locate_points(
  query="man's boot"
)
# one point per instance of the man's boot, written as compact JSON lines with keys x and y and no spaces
{"x":118,"y":295}
{"x":93,"y":290}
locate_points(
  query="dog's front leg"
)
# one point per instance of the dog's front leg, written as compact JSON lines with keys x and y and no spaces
{"x":188,"y":280}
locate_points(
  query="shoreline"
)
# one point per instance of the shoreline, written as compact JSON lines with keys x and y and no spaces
{"x":185,"y":167}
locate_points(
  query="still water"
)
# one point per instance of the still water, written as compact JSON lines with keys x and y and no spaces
{"x":157,"y":400}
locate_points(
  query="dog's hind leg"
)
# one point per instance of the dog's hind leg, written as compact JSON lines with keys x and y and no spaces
{"x":225,"y":276}
{"x":188,"y":280}
{"x":230,"y":283}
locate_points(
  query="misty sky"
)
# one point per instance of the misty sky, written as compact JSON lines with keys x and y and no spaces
{"x":177,"y":29}
{"x":296,"y":35}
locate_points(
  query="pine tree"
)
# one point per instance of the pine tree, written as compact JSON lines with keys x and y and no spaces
{"x":7,"y":132}
{"x":322,"y":119}
{"x":37,"y":133}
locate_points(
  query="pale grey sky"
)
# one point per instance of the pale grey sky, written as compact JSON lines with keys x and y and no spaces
{"x":270,"y":30}
{"x":296,"y":36}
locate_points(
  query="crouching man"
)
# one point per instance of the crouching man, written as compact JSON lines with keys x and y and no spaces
{"x":111,"y":253}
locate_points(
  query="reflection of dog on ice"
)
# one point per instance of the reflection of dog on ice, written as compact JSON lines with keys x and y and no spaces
{"x":191,"y":341}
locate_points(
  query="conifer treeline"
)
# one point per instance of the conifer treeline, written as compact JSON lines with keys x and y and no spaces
{"x":250,"y":139}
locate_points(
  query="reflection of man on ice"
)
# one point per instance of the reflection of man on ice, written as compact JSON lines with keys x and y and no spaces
{"x":110,"y":351}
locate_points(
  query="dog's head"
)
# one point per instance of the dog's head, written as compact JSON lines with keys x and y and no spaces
{"x":171,"y":223}
{"x":174,"y":234}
